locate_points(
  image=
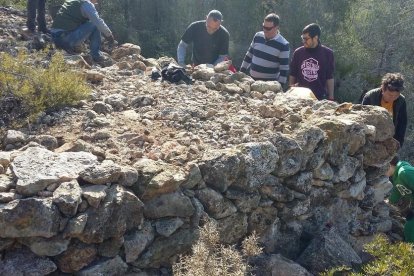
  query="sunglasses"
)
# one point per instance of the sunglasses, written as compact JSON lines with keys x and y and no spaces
{"x":267,"y":28}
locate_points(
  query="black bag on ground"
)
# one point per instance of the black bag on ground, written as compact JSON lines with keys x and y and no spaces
{"x":174,"y":74}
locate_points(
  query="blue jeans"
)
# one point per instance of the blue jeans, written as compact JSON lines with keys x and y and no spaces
{"x":69,"y":39}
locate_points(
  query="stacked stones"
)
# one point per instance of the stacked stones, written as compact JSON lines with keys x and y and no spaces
{"x":313,"y":191}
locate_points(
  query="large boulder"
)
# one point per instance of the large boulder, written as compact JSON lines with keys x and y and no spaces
{"x":36,"y":168}
{"x":23,"y":262}
{"x":328,"y":250}
{"x":30,"y":217}
{"x":276,"y":265}
{"x":120,"y":211}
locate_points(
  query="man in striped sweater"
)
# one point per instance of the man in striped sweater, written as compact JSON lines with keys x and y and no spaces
{"x":268,"y":54}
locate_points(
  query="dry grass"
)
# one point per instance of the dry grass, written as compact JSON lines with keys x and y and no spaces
{"x":210,"y":258}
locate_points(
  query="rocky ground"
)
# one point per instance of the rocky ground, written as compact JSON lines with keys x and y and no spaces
{"x":125,"y":178}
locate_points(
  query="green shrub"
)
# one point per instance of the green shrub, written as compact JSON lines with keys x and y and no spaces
{"x":37,"y":85}
{"x":18,"y":4}
{"x":389,"y":259}
{"x":211,"y":258}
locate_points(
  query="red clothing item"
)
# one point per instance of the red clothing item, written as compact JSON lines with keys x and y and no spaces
{"x":312,"y":67}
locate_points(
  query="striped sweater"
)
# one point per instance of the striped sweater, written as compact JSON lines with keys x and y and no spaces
{"x":267,"y":59}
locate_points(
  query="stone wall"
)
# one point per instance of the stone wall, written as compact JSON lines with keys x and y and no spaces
{"x":313,"y":192}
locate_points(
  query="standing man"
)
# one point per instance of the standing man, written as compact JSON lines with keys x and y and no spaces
{"x":389,"y":97}
{"x":77,"y":21}
{"x":402,"y":178}
{"x":313,"y":64}
{"x":210,"y":41}
{"x":268,"y":55}
{"x":32,"y":7}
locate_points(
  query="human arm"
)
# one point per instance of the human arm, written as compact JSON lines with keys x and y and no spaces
{"x":224,"y":49}
{"x":89,"y":11}
{"x":181,"y":51}
{"x":284,"y":64}
{"x":247,"y":58}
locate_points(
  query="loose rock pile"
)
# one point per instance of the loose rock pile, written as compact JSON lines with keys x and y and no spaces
{"x":121,"y":183}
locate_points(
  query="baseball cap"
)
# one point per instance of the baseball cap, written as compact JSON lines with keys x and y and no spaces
{"x":215,"y":14}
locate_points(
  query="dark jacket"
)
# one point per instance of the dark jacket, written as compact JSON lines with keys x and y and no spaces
{"x":399,"y":117}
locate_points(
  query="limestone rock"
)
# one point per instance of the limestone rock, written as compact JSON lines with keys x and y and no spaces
{"x":233,"y":228}
{"x":94,"y":194}
{"x":215,"y":204}
{"x":46,"y":247}
{"x":76,"y":257}
{"x":115,"y":266}
{"x":126,"y":49}
{"x":68,"y":197}
{"x":263,"y":86}
{"x":110,"y":248}
{"x":106,"y":172}
{"x":36,"y":168}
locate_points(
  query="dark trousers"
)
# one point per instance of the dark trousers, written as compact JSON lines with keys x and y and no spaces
{"x":32,"y":7}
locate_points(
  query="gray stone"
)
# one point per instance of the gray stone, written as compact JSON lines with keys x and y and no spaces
{"x":323,"y":172}
{"x":169,"y":205}
{"x":162,"y":250}
{"x":47,"y":141}
{"x":274,"y":190}
{"x":23,"y":262}
{"x":301,"y":183}
{"x":6,"y":243}
{"x":8,"y":197}
{"x":221,"y":168}
{"x":261,"y":219}
{"x":68,"y":197}
{"x":14,"y":137}
{"x":129,"y":176}
{"x":263,"y":86}
{"x":166,"y":227}
{"x":115,"y":266}
{"x":36,"y":168}
{"x":260,"y":159}
{"x":215,"y":204}
{"x":121,"y":211}
{"x":194,"y":177}
{"x":141,"y":101}
{"x":233,"y":228}
{"x":46,"y":247}
{"x":102,"y":108}
{"x":379,"y":154}
{"x":29,"y":218}
{"x":245,"y":202}
{"x":110,"y":247}
{"x":76,"y":225}
{"x":356,"y":191}
{"x":326,"y":251}
{"x":276,"y":265}
{"x":117,"y":101}
{"x":156,"y":178}
{"x":136,"y":242}
{"x":106,"y":172}
{"x":76,"y":257}
{"x":94,"y":194}
{"x":290,"y":153}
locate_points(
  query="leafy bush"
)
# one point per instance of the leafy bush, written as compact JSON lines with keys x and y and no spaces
{"x":33,"y":84}
{"x":19,"y":4}
{"x":210,"y":258}
{"x":389,"y":259}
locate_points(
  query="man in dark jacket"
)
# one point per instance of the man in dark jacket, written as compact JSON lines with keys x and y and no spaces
{"x":389,"y":96}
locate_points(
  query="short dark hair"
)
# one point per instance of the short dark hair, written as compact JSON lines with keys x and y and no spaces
{"x":395,"y":160}
{"x":272,"y":17}
{"x":393,"y":82}
{"x":313,"y":30}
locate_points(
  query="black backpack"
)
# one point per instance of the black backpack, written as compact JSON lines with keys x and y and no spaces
{"x":174,"y":74}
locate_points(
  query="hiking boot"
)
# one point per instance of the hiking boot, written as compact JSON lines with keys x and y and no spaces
{"x":103,"y":61}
